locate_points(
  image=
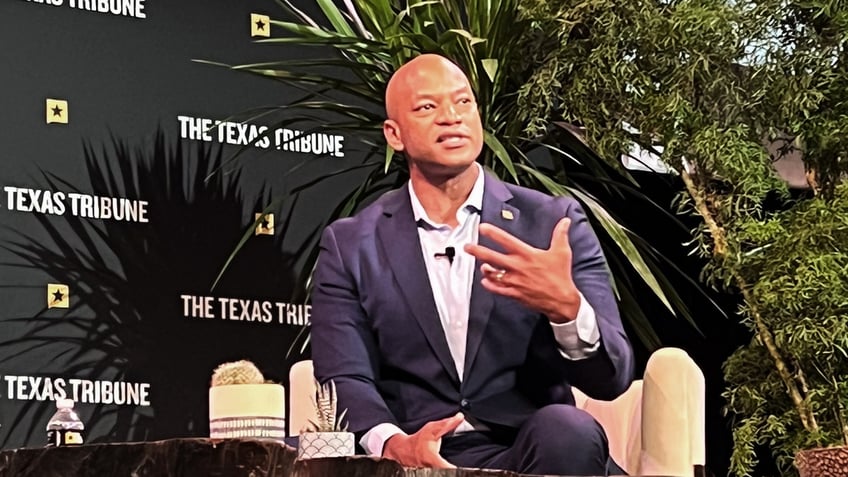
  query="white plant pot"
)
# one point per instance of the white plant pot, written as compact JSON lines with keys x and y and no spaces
{"x":247,"y":411}
{"x":311,"y":445}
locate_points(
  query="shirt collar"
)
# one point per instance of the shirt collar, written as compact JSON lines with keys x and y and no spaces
{"x":473,"y":202}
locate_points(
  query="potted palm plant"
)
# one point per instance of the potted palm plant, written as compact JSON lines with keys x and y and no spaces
{"x":367,"y":41}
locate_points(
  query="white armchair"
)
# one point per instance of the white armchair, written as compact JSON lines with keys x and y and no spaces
{"x":656,"y":427}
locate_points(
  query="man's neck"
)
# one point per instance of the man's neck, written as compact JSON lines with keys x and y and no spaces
{"x":442,"y":197}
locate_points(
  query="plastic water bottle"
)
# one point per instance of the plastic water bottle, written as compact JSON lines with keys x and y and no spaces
{"x":65,"y":427}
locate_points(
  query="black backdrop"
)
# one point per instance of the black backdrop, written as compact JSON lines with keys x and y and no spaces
{"x":105,"y":109}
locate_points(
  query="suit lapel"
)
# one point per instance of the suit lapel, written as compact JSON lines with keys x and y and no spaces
{"x":398,"y":235}
{"x":498,"y":212}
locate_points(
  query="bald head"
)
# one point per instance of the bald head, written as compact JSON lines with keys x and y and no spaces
{"x":432,"y":117}
{"x":403,"y":83}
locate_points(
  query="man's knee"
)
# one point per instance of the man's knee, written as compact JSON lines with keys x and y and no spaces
{"x":560,"y":421}
{"x":566,"y":439}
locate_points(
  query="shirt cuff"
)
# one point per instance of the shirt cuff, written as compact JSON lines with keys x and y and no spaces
{"x":580,"y":338}
{"x":374,"y":440}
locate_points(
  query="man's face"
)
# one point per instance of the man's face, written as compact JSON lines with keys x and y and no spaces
{"x":433,"y":117}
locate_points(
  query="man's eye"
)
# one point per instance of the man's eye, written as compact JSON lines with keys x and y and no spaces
{"x":426,"y":107}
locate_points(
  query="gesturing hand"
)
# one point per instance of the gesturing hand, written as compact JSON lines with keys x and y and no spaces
{"x":422,"y":448}
{"x":540,"y":279}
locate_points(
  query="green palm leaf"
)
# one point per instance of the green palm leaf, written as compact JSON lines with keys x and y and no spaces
{"x":367,"y":40}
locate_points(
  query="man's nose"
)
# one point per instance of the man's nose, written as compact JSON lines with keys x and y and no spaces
{"x":449,"y":114}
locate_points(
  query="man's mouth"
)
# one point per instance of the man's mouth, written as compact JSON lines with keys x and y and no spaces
{"x":451,"y":139}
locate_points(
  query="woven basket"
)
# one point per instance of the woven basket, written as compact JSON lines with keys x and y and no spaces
{"x":824,"y":462}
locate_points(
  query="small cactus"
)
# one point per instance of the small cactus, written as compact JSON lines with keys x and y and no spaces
{"x":325,"y":402}
{"x":237,"y":372}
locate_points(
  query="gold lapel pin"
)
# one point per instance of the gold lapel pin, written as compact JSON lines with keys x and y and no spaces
{"x":507,"y":214}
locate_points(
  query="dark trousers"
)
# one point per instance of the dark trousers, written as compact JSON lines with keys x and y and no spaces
{"x":557,"y":439}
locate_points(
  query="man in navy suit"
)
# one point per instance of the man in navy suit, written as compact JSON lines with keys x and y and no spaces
{"x":455,"y":313}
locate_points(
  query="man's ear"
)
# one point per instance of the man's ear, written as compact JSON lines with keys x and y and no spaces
{"x":391,"y":131}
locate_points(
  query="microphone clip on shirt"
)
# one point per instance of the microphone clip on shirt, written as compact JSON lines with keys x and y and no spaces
{"x":449,"y":252}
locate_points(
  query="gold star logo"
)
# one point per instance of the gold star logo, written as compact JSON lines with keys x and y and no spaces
{"x":265,"y":226}
{"x":260,"y":25}
{"x":57,"y":111}
{"x":58,"y":296}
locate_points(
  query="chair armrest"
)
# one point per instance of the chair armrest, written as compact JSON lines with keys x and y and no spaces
{"x":673,"y":415}
{"x":657,"y":426}
{"x":301,"y":391}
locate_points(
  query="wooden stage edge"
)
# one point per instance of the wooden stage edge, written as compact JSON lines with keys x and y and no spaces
{"x":205,"y":458}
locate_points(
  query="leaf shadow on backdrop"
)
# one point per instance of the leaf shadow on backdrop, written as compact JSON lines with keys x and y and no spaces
{"x":126,"y":321}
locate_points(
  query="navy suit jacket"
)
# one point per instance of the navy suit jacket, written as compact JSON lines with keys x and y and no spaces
{"x":376,"y":331}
